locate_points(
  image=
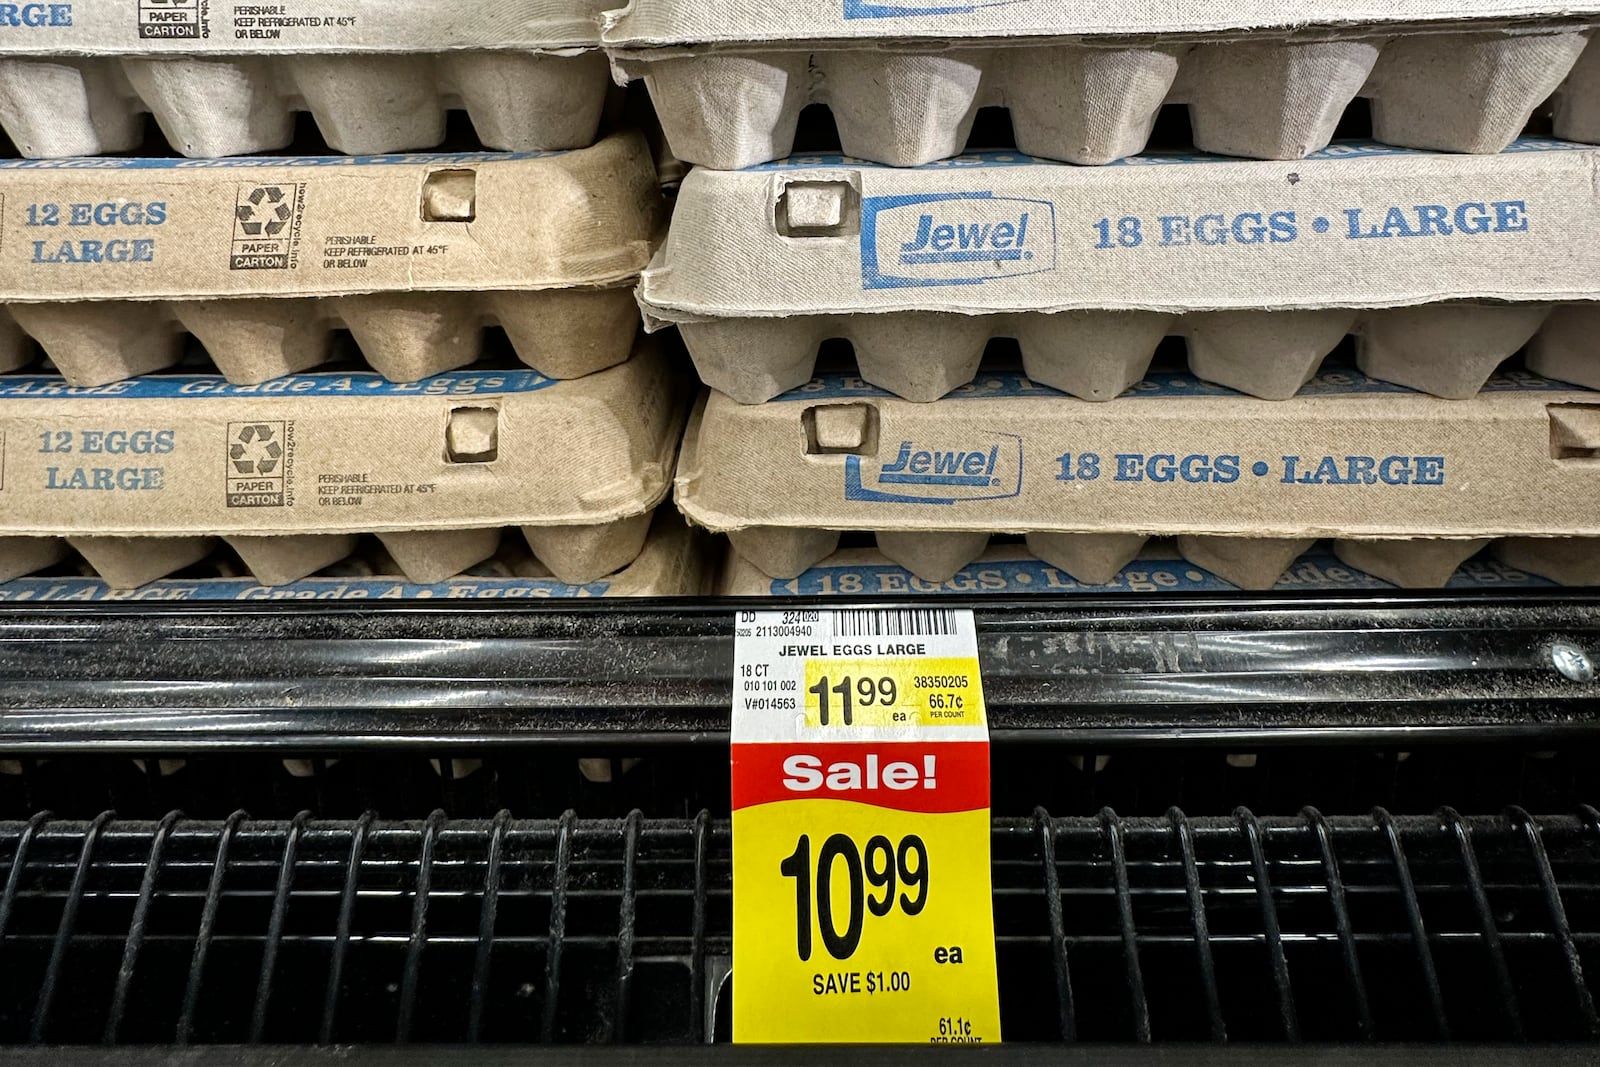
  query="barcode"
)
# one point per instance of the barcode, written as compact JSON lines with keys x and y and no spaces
{"x":912,"y":622}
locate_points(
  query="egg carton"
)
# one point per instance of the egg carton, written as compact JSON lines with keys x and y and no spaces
{"x":1082,"y":91}
{"x":209,"y":106}
{"x":142,"y":477}
{"x":262,"y":259}
{"x":351,"y":27}
{"x":1405,"y":486}
{"x":425,"y":557}
{"x":1448,"y":350}
{"x":1161,"y":567}
{"x":671,"y":562}
{"x":405,"y":337}
{"x":227,"y":79}
{"x":1442,"y":266}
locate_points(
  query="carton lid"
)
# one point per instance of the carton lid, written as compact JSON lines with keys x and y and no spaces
{"x":1356,"y":225}
{"x":196,"y":27}
{"x":185,"y":455}
{"x":143,"y":229}
{"x":1348,"y":457}
{"x":665,"y":22}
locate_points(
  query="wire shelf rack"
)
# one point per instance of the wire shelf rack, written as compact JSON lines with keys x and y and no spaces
{"x":1175,"y":928}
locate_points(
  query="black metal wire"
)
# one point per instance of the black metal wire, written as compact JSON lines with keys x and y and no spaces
{"x":1558,"y":918}
{"x":1462,"y":834}
{"x":208,"y":926}
{"x":136,"y":927}
{"x":1341,"y":921}
{"x":486,"y":921}
{"x":628,"y":915}
{"x":1202,"y":933}
{"x":1419,"y":931}
{"x":1067,"y":1012}
{"x":419,"y":927}
{"x":1287,"y":1014}
{"x":341,"y":937}
{"x":280,"y":911}
{"x":558,"y":926}
{"x":1112,"y":826}
{"x":697,"y":928}
{"x":69,"y":922}
{"x":19,"y":867}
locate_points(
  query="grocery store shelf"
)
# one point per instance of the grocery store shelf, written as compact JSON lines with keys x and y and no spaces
{"x":1184,"y":930}
{"x":1228,"y":669}
{"x":782,"y":1056}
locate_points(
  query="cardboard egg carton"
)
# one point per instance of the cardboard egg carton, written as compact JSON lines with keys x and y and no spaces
{"x":1159,"y":568}
{"x":1406,"y":486}
{"x":1442,"y":266}
{"x":1084,"y":82}
{"x":226,"y":79}
{"x":141,"y":477}
{"x":671,"y":563}
{"x":108,"y":263}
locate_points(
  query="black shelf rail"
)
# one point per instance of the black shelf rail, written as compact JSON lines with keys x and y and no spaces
{"x":1098,"y":670}
{"x":1235,"y":928}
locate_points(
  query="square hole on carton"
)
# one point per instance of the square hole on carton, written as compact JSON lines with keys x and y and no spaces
{"x":472,"y":435}
{"x":450,"y":195}
{"x":819,"y":208}
{"x":1574,"y":432}
{"x":841,"y":429}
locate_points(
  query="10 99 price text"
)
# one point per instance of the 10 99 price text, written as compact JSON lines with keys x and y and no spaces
{"x":885,"y":867}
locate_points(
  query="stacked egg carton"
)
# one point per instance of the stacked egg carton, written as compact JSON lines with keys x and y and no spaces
{"x":1083,"y":81}
{"x":1447,"y":242}
{"x":1407,"y":485}
{"x":114,"y":264}
{"x":673,"y":562}
{"x":1159,"y":568}
{"x":227,"y":79}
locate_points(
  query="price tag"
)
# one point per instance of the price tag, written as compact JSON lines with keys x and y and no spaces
{"x":862,"y":905}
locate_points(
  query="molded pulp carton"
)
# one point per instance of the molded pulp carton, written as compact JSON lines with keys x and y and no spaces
{"x":1084,"y":79}
{"x":1409,"y":487}
{"x":139,"y":476}
{"x":1442,"y":266}
{"x":106,"y":263}
{"x":1008,"y":569}
{"x":672,"y":563}
{"x":226,"y":79}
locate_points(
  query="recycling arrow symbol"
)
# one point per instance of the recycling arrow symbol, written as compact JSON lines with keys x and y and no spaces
{"x":256,"y":432}
{"x":277,"y":218}
{"x":254,"y":451}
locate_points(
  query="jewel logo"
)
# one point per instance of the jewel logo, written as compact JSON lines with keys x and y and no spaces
{"x":972,"y":238}
{"x":989,"y":468}
{"x":905,"y":9}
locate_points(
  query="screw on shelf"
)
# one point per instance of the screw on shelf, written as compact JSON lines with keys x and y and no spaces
{"x":1572,"y":662}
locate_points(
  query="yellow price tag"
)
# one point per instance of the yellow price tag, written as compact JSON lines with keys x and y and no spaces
{"x":893,"y":692}
{"x":862,"y":903}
